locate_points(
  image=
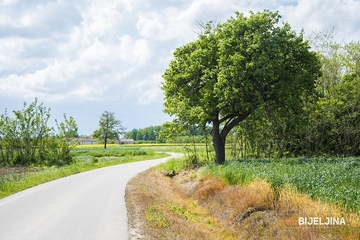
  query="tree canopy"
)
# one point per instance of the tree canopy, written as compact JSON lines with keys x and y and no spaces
{"x":328,"y":126}
{"x":109,"y":128}
{"x":236,"y":67}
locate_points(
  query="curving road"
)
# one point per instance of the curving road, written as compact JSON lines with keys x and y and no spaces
{"x":88,"y":205}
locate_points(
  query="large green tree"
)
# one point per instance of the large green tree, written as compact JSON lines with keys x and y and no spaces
{"x":234,"y":68}
{"x":109,"y":128}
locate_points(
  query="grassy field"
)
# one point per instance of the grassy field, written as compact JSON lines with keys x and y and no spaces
{"x":85,"y":158}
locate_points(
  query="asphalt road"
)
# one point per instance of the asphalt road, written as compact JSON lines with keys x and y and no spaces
{"x":88,"y":205}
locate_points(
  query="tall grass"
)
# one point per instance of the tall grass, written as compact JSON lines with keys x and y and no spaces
{"x":333,"y":180}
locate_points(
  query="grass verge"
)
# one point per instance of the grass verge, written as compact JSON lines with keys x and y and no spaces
{"x":221,"y":202}
{"x":13,"y":183}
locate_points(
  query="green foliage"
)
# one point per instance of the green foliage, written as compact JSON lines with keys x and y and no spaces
{"x":176,"y":132}
{"x":236,"y":67}
{"x":183,"y":213}
{"x":334,"y":180}
{"x":327,"y":125}
{"x":329,"y":52}
{"x":26,"y":138}
{"x":109,"y":128}
{"x":334,"y":128}
{"x":155,"y":217}
{"x":145,"y":134}
{"x":269,"y":132}
{"x":111,"y":151}
{"x":168,"y":132}
{"x":83,"y":160}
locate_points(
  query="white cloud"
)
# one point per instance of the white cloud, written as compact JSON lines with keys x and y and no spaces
{"x":317,"y":15}
{"x":136,"y":52}
{"x":181,"y":24}
{"x":100,"y":18}
{"x":148,"y":89}
{"x":116,"y":50}
{"x":7,"y":2}
{"x":93,"y":92}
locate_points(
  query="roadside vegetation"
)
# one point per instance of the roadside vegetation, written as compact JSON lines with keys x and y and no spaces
{"x":284,"y":114}
{"x":26,"y":138}
{"x":332,"y":180}
{"x":32,"y":152}
{"x":84,"y":158}
{"x":245,"y":199}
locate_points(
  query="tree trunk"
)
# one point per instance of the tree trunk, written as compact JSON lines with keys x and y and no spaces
{"x":218,"y":142}
{"x":219,"y":138}
{"x":105,"y":140}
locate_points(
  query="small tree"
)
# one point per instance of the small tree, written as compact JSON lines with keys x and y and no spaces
{"x":109,"y":128}
{"x":64,"y":140}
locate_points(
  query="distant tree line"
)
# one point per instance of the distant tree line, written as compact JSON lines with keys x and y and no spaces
{"x":164,"y":134}
{"x":27,"y":139}
{"x":148,"y":134}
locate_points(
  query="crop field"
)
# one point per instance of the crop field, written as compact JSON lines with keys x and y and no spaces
{"x":115,"y":151}
{"x":333,"y":180}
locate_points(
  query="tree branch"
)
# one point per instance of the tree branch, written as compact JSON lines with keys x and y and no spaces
{"x":227,"y":118}
{"x":232,"y":123}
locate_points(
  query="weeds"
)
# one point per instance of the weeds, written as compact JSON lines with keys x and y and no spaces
{"x":259,"y":198}
{"x":165,"y":214}
{"x":155,"y":218}
{"x":334,"y":180}
{"x":183,"y":213}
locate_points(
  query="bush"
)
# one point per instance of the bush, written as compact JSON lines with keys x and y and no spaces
{"x":26,"y":139}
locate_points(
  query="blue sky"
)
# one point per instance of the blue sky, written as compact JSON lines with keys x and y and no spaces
{"x":84,"y":57}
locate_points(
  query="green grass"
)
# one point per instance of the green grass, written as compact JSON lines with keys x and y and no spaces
{"x":333,"y":180}
{"x":117,"y":151}
{"x":85,"y":159}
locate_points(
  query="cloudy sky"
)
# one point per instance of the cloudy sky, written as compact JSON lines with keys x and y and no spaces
{"x":84,"y":57}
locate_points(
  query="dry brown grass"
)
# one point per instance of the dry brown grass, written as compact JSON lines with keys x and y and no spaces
{"x":292,"y":205}
{"x":185,"y":207}
{"x":15,"y":171}
{"x":157,"y":211}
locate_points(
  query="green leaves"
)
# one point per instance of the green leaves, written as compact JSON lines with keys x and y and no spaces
{"x":26,"y":138}
{"x":335,"y":122}
{"x":235,"y":67}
